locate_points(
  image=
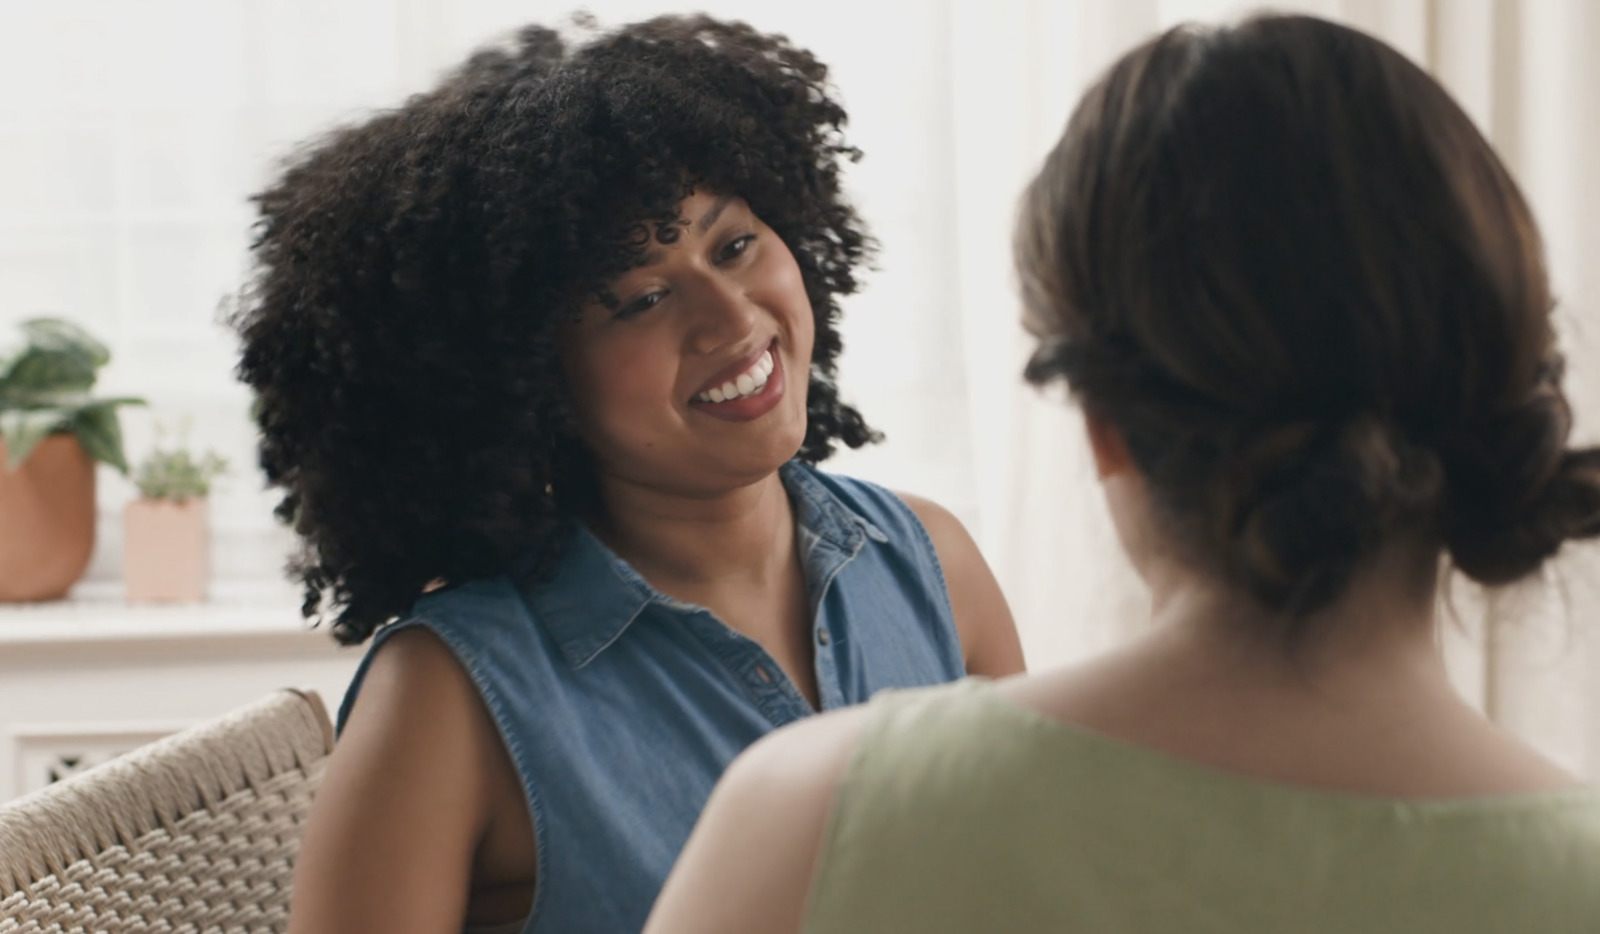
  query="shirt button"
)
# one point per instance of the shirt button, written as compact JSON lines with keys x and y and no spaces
{"x":822,"y":635}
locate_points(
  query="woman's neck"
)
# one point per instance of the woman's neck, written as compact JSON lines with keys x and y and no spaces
{"x":1379,"y":635}
{"x":745,"y":533}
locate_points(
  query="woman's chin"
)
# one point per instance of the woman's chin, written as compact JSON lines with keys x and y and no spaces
{"x":766,"y":456}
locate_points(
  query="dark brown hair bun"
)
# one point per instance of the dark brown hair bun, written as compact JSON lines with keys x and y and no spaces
{"x":1285,"y":265}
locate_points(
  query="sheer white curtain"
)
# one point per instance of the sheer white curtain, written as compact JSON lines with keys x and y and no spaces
{"x":1527,"y":73}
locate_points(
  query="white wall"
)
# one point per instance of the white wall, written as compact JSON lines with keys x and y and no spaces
{"x":132,"y":133}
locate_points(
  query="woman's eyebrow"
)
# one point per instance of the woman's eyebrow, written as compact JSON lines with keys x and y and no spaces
{"x":651,"y":257}
{"x":714,"y":212}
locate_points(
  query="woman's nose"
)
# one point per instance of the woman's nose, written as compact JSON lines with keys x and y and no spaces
{"x":722,"y":314}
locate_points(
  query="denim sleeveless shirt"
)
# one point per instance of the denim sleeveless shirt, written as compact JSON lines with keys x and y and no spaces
{"x":621,"y":706}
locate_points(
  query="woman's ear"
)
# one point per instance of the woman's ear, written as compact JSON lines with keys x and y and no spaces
{"x":1111,"y":457}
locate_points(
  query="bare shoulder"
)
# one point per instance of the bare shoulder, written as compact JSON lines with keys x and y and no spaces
{"x":812,"y":754}
{"x":391,"y":838}
{"x":414,"y":694}
{"x":942,"y":525}
{"x":748,"y":866}
{"x":983,"y":618}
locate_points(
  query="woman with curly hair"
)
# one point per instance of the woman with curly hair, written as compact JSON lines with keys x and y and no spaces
{"x":544,"y":361}
{"x":1305,"y":310}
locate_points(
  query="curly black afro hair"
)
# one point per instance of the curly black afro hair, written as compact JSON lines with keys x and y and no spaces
{"x":400,"y":327}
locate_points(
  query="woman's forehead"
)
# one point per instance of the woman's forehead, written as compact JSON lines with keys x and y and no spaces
{"x":697,"y":214}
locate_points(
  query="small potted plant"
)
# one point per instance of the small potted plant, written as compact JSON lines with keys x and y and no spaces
{"x":166,"y":534}
{"x":52,"y":431}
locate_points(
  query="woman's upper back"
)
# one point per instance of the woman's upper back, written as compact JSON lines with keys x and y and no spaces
{"x":963,"y":811}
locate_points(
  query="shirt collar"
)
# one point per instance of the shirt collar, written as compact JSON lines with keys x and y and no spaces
{"x":594,"y":596}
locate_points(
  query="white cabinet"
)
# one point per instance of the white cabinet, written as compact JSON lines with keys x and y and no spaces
{"x":84,"y":680}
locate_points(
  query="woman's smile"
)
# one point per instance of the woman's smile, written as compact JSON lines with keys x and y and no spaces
{"x":747,"y":390}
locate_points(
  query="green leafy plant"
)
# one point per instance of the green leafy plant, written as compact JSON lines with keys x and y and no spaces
{"x":44,"y":390}
{"x":175,"y":474}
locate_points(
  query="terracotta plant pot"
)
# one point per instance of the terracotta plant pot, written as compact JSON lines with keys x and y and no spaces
{"x":46,"y":520}
{"x":165,"y":551}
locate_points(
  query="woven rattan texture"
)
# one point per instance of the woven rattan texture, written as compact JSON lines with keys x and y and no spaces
{"x":195,"y":833}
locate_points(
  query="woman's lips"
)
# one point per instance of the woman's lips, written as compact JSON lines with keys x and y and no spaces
{"x":749,"y":407}
{"x":731,"y":373}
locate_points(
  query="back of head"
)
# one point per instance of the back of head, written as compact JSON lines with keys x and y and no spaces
{"x":1283,"y":263}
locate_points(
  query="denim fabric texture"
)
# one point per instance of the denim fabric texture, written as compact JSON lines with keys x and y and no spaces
{"x":621,"y":706}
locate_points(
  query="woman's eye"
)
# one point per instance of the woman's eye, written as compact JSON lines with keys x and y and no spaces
{"x":641,"y":304}
{"x":736,"y":248}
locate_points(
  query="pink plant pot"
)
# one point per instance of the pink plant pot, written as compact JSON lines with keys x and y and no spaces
{"x":165,"y":553}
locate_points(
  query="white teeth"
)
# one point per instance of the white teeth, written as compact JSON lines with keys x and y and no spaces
{"x":748,"y":383}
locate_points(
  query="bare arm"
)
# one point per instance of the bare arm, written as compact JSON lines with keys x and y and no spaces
{"x":748,"y":866}
{"x":988,"y":633}
{"x":391,"y":838}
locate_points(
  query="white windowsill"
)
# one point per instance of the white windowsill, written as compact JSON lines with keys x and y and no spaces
{"x":96,"y":613}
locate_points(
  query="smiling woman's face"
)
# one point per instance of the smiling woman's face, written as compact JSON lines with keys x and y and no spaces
{"x":691,"y":374}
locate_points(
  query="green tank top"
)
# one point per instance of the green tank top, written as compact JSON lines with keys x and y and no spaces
{"x":962,"y":811}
